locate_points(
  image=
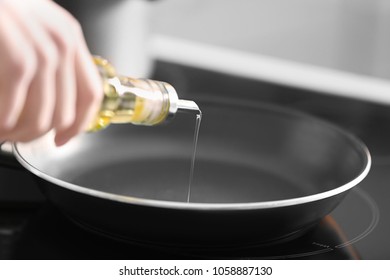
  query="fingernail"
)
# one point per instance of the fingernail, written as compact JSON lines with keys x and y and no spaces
{"x":60,"y":141}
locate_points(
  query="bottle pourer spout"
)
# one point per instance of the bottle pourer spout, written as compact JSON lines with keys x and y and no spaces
{"x":187,"y":105}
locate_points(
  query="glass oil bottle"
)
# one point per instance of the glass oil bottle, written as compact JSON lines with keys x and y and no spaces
{"x":136,"y":101}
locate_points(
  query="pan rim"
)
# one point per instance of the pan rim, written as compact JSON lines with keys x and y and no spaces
{"x":183,"y":205}
{"x":199,"y":206}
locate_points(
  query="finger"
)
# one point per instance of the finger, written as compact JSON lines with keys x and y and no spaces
{"x":64,"y":114}
{"x":37,"y":113}
{"x":63,"y":29}
{"x":36,"y":117}
{"x":16,"y":71}
{"x":89,"y":94}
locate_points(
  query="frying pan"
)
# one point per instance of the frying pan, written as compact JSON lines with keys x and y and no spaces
{"x":263,"y":174}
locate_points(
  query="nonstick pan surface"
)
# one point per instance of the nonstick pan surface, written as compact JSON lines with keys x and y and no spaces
{"x":262,"y":174}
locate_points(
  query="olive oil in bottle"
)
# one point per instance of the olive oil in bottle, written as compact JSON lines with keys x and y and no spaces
{"x":130,"y":100}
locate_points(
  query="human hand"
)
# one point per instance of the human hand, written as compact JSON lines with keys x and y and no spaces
{"x":47,"y":76}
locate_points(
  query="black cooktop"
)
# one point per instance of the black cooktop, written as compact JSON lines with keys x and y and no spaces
{"x":31,"y":228}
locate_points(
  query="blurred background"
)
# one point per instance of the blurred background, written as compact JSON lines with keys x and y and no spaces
{"x":347,"y":35}
{"x":339,"y":47}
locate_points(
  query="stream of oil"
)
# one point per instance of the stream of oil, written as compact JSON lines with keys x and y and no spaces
{"x":194,"y":147}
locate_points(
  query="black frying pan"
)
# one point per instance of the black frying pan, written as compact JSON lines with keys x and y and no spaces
{"x":262,"y":174}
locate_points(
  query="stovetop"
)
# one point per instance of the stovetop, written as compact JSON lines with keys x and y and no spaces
{"x":31,"y":228}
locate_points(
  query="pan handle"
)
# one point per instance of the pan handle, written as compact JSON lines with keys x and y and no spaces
{"x":7,"y":158}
